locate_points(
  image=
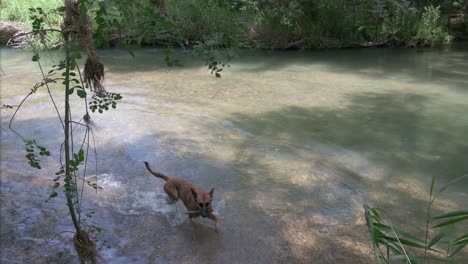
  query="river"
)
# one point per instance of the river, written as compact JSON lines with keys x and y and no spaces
{"x":294,"y":144}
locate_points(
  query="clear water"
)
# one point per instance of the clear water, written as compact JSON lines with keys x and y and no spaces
{"x":293,"y":143}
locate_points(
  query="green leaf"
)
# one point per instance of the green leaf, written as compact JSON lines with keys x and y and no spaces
{"x":432,"y":186}
{"x":435,"y":239}
{"x":465,"y":236}
{"x":452,"y":214}
{"x":81,"y":93}
{"x":462,"y":242}
{"x":399,"y":232}
{"x":70,"y":91}
{"x":35,"y":57}
{"x":405,"y":242}
{"x":81,"y":155}
{"x":77,"y":55}
{"x":452,"y":221}
{"x":460,"y":247}
{"x":394,"y":248}
{"x":416,"y":257}
{"x":54,"y":194}
{"x":452,"y":182}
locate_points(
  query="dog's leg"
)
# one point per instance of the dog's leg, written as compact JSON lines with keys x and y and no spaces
{"x":169,"y":200}
{"x":171,"y":192}
{"x":216,"y":219}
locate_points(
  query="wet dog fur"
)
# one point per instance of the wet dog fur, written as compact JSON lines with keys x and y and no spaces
{"x":197,"y":201}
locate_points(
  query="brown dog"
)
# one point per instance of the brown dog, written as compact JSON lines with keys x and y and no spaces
{"x":197,"y":201}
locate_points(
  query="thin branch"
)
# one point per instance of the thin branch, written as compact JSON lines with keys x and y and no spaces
{"x":78,"y":123}
{"x":43,"y":30}
{"x":59,"y":235}
{"x":85,"y":164}
{"x":82,"y":82}
{"x":47,"y":86}
{"x":95,"y":155}
{"x":14,"y":114}
{"x":51,"y":97}
{"x":61,"y":151}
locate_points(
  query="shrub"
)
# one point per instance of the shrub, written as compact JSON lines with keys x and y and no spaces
{"x":219,"y":22}
{"x":430,"y":32}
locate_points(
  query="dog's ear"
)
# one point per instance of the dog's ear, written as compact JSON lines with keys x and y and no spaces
{"x":194,"y":193}
{"x":211,"y":192}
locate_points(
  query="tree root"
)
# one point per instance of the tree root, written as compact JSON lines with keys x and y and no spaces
{"x":85,"y":247}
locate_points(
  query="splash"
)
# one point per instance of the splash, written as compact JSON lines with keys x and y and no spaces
{"x":128,"y":199}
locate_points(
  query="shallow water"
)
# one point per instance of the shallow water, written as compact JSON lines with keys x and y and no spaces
{"x":293,"y":143}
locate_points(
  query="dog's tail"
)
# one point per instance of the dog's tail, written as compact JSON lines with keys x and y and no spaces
{"x":157,"y":174}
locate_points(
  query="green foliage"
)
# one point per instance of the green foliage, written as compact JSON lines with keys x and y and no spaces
{"x":324,"y":23}
{"x":430,"y":31}
{"x":130,"y":23}
{"x":40,"y":18}
{"x":216,"y":59}
{"x":257,"y":23}
{"x":391,"y":22}
{"x":18,"y":10}
{"x":7,"y":106}
{"x":32,"y":149}
{"x":391,"y":243}
{"x":341,"y":23}
{"x":211,"y":21}
{"x":34,"y":15}
{"x":77,"y":159}
{"x":73,"y":80}
{"x":101,"y":102}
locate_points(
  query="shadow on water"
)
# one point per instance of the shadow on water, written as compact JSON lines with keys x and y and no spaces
{"x":392,"y":128}
{"x":440,"y":65}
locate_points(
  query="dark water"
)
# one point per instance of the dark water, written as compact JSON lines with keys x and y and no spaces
{"x":293,"y":143}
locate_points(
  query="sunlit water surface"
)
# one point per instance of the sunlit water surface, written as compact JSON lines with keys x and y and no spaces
{"x":294,"y":144}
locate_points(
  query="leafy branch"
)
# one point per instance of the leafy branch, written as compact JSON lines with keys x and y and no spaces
{"x":76,"y":38}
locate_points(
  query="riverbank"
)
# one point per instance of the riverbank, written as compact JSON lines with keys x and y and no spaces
{"x":209,"y":24}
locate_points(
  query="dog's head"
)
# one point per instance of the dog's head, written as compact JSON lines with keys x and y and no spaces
{"x":203,"y":201}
